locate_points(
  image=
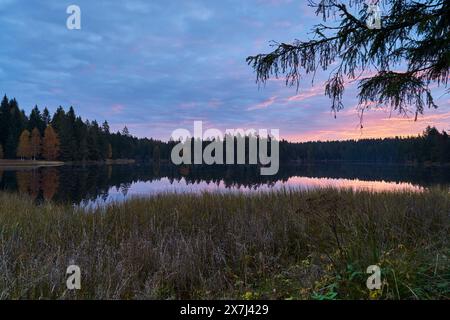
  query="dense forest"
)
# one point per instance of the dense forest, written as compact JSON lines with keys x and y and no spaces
{"x":67,"y":137}
{"x":432,"y":146}
{"x":23,"y":136}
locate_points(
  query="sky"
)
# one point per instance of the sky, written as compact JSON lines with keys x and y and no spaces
{"x":156,"y":66}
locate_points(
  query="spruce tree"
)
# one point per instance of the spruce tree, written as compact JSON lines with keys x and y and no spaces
{"x":17,"y":122}
{"x":46,"y":117}
{"x":36,"y":120}
{"x":395,"y":64}
{"x":64,"y":126}
{"x":4,"y":120}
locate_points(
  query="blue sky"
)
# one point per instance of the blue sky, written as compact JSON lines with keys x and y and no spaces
{"x":156,"y":66}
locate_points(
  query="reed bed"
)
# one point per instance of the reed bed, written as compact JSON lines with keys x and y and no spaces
{"x":285,"y":244}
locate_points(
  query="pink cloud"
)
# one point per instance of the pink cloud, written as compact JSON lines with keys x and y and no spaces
{"x":306,"y":94}
{"x":263,"y":105}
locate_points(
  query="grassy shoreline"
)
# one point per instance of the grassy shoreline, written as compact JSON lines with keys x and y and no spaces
{"x":276,"y":245}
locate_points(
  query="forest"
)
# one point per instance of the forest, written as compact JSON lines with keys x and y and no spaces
{"x":431,"y":146}
{"x":67,"y":137}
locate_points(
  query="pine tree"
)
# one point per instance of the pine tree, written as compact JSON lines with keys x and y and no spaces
{"x":17,"y":122}
{"x":58,"y":118}
{"x":125,"y":131}
{"x":105,"y":128}
{"x":4,"y":120}
{"x":24,"y":148}
{"x":83,"y":149}
{"x":46,"y":117}
{"x":36,"y":143}
{"x":36,"y":120}
{"x":1,"y":152}
{"x":409,"y":52}
{"x":93,"y":141}
{"x":81,"y":133}
{"x":50,"y":144}
{"x":64,"y":125}
{"x":156,"y":155}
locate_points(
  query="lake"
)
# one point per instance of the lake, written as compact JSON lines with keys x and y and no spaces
{"x":97,"y":185}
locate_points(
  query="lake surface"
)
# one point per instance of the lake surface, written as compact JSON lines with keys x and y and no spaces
{"x":92,"y":185}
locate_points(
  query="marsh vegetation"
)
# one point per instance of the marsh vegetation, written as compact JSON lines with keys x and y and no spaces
{"x":283,"y":244}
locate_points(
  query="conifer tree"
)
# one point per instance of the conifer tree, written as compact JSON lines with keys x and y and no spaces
{"x":395,"y":62}
{"x":36,"y":120}
{"x":4,"y":120}
{"x":46,"y":117}
{"x":110,"y":153}
{"x":156,"y":154}
{"x":125,"y":131}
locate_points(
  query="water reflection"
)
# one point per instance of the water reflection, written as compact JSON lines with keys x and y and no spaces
{"x":302,"y":183}
{"x":99,"y":184}
{"x":38,"y":183}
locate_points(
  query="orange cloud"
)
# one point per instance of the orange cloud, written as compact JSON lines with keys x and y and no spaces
{"x":375,"y":125}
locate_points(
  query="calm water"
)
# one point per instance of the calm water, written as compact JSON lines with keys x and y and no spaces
{"x":102,"y":184}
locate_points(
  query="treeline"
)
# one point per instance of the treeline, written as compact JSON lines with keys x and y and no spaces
{"x":65,"y":136}
{"x":432,"y":146}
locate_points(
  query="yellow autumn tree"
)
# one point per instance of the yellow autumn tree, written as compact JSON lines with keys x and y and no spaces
{"x":24,"y":147}
{"x":35,"y":143}
{"x":50,"y":144}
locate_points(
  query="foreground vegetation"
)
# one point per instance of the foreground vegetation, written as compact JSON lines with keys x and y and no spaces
{"x":278,"y":245}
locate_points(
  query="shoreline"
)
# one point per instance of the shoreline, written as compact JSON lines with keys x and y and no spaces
{"x":100,"y":162}
{"x":16,"y":163}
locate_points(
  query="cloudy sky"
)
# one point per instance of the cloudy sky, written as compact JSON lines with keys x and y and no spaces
{"x":156,"y":66}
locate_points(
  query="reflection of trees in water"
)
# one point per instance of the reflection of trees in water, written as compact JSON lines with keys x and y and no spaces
{"x":75,"y":184}
{"x":23,"y":178}
{"x":49,"y":183}
{"x":109,"y":172}
{"x":32,"y":182}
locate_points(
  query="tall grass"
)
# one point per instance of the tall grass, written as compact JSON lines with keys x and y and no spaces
{"x":277,"y":245}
